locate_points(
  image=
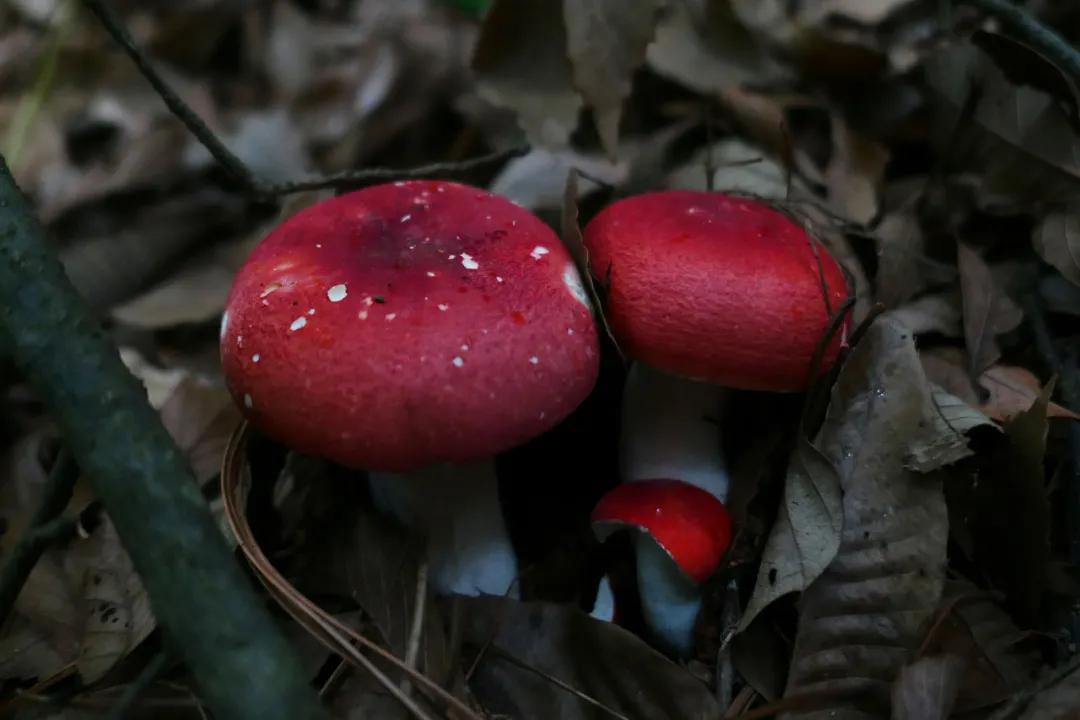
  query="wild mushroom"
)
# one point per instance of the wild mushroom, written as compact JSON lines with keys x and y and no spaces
{"x":705,"y":291}
{"x":414,"y":330}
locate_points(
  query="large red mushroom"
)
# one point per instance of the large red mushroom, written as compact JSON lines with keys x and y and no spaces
{"x":414,"y":330}
{"x":705,"y":291}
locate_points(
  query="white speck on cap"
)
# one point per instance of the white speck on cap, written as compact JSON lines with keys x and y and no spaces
{"x":457,"y":361}
{"x":247,"y":401}
{"x":538,"y":252}
{"x":572,"y":280}
{"x":498,"y":278}
{"x":534,"y":360}
{"x":298,"y":323}
{"x":311,"y":311}
{"x":271,"y":288}
{"x":362,"y":315}
{"x":406,"y":217}
{"x":390,"y":316}
{"x":239,"y":341}
{"x":468,"y":263}
{"x":369,"y":301}
{"x":464,"y":348}
{"x":224,"y":323}
{"x":451,"y":257}
{"x":256,"y":357}
{"x":337,"y":293}
{"x":443,"y":307}
{"x":399,"y":183}
{"x":569,"y":331}
{"x":430,"y":274}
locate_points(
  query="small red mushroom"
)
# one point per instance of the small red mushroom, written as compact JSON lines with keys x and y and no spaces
{"x":414,"y":329}
{"x":688,"y":523}
{"x":705,"y":291}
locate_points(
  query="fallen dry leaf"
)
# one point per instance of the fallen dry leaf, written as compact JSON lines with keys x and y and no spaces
{"x":521,"y":63}
{"x":564,"y":643}
{"x":988,"y":312}
{"x":704,"y":46}
{"x":927,"y":688}
{"x":606,"y":42}
{"x":860,"y":620}
{"x":1057,"y":240}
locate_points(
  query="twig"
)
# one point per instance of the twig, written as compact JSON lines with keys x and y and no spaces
{"x":416,"y":632}
{"x":710,"y":160}
{"x":207,"y":609}
{"x":1026,"y":27}
{"x":236,"y":167}
{"x":44,"y":529}
{"x":371,"y":176}
{"x":725,"y":667}
{"x":143,"y":680}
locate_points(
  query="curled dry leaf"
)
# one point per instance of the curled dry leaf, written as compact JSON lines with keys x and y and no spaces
{"x":521,"y":63}
{"x":606,"y":42}
{"x":1057,"y":240}
{"x":860,"y":620}
{"x":527,"y":649}
{"x":1057,"y":699}
{"x":927,"y":688}
{"x":988,"y":312}
{"x":538,"y":179}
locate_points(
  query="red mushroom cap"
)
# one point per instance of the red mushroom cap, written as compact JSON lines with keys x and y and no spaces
{"x":408,"y":324}
{"x":716,"y":287}
{"x":691,"y":525}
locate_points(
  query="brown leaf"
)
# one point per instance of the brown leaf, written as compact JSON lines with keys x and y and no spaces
{"x":861,"y":619}
{"x":521,"y":63}
{"x":1057,"y":240}
{"x":704,"y":47}
{"x":201,"y":417}
{"x":806,"y":534}
{"x":1020,"y":136}
{"x":927,"y":689}
{"x":1013,"y":390}
{"x":854,"y":174}
{"x":526,"y":648}
{"x":1009,"y":390}
{"x":900,"y":254}
{"x":606,"y":42}
{"x":987,"y":311}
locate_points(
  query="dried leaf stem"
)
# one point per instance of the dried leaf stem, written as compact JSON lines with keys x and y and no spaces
{"x":45,"y":528}
{"x":236,"y":167}
{"x":206,"y":607}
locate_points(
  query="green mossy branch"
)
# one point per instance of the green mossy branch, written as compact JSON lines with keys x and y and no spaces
{"x":205,"y":605}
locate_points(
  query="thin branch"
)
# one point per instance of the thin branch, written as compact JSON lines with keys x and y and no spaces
{"x":372,"y":176}
{"x":207,"y":608}
{"x":1029,"y":29}
{"x":44,"y":530}
{"x":236,"y":167}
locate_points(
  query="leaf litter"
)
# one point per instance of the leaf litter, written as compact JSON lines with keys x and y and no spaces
{"x":938,"y":163}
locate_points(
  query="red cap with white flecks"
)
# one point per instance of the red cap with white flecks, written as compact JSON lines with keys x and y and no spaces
{"x":407,"y":324}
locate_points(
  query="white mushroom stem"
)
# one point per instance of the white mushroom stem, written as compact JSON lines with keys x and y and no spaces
{"x":456,"y":507}
{"x":670,"y":431}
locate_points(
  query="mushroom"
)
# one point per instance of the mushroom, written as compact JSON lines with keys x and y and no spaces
{"x":414,"y":330}
{"x":705,"y":291}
